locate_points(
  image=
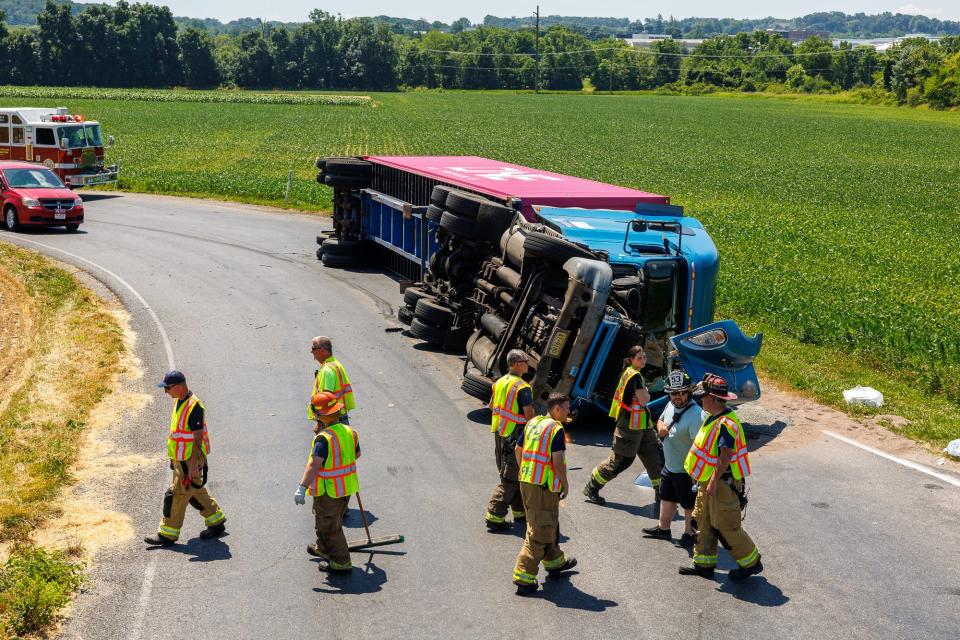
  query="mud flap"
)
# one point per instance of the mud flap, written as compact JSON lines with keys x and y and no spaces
{"x":167,"y":503}
{"x":723,"y":349}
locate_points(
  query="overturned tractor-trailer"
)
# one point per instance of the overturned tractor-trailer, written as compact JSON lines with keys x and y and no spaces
{"x":571,"y":271}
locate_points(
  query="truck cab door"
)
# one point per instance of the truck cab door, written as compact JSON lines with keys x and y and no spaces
{"x":722,"y":348}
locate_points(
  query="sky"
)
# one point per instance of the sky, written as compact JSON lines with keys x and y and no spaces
{"x":297,"y":10}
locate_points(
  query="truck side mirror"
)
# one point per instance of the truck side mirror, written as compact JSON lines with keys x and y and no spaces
{"x":63,"y":143}
{"x":639,"y":225}
{"x":110,"y":141}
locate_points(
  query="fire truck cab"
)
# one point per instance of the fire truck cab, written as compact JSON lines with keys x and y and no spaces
{"x":67,"y":144}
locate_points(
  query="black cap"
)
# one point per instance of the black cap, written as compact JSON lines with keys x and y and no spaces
{"x":171,"y":378}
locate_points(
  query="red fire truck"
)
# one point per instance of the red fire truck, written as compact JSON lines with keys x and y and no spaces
{"x":68,"y":144}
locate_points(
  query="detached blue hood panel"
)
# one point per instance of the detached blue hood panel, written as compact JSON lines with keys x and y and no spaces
{"x":723,"y":349}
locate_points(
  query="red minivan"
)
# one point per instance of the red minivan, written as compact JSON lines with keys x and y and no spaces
{"x":33,"y":195}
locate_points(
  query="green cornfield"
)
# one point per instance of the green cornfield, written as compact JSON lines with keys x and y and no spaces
{"x":838,"y":225}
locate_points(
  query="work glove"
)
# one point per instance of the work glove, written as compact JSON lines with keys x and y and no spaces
{"x":300,"y":497}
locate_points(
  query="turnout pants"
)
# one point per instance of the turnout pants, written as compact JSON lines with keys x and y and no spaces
{"x":331,"y":543}
{"x":627,"y":445}
{"x":543,"y":533}
{"x":718,"y":520}
{"x":507,"y":493}
{"x":176,"y":499}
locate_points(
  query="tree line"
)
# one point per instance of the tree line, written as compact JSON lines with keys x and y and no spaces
{"x":140,"y":45}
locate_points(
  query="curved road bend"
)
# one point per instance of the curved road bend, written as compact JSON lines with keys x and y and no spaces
{"x":854,"y":546}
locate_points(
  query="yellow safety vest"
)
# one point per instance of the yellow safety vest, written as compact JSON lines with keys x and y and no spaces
{"x":504,"y":404}
{"x":338,"y":477}
{"x":343,"y":389}
{"x":638,"y":412}
{"x":703,"y":457}
{"x":180,"y":440}
{"x":536,"y":461}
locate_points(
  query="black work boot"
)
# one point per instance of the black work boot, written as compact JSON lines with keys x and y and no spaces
{"x":566,"y":566}
{"x":215,"y":531}
{"x":687,"y":541}
{"x":592,"y":492}
{"x":312,"y":550}
{"x":742,"y":573}
{"x":497,"y":526}
{"x":159,"y":540}
{"x":524,"y":589}
{"x":696,"y":570}
{"x":656,"y":532}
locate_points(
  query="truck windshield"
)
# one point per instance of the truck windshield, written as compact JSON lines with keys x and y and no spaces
{"x":80,"y":136}
{"x":32,"y":179}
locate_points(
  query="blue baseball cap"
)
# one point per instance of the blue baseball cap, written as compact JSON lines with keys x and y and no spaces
{"x":171,"y":378}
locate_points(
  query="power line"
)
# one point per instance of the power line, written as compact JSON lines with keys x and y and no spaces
{"x":745,"y":54}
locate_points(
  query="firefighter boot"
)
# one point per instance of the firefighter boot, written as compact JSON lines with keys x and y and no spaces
{"x":524,"y":589}
{"x":215,"y":531}
{"x":696,"y":570}
{"x":742,"y":573}
{"x":159,"y":540}
{"x":566,"y":566}
{"x":592,"y":493}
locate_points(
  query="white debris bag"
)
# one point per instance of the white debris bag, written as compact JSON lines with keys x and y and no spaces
{"x":643,"y":480}
{"x":866,"y":396}
{"x":954,"y":448}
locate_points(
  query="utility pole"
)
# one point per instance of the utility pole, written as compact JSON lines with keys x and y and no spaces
{"x":536,"y":86}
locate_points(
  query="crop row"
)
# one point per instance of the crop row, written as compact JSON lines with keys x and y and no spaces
{"x":182,"y":95}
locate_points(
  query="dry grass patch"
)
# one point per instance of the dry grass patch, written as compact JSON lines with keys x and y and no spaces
{"x":56,"y":368}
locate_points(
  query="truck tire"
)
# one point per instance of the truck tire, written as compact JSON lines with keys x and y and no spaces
{"x":438,"y":197}
{"x":345,"y":182}
{"x":458,"y":225}
{"x":436,"y":266}
{"x":11,"y":219}
{"x":340,"y":261}
{"x":337,"y":246}
{"x":464,"y":204}
{"x":434,"y":313}
{"x":554,"y":249}
{"x":433,"y":214}
{"x":492,"y":220}
{"x":321,"y":163}
{"x":348,"y":167}
{"x":476,"y":384}
{"x":412,"y":295}
{"x":322,"y":236}
{"x":404,"y":315}
{"x":428,"y":332}
{"x":319,"y":253}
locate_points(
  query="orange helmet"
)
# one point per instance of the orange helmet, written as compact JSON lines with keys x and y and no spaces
{"x":325,"y":403}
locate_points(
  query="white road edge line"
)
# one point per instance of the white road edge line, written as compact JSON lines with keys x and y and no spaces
{"x":136,"y":629}
{"x":916,"y":466}
{"x":163,"y":332}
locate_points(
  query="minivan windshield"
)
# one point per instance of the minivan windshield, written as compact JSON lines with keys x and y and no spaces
{"x":38,"y":178}
{"x":80,"y":135}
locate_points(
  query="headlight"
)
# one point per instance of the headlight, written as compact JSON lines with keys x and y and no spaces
{"x":77,"y":202}
{"x":31,"y":202}
{"x":713,"y":338}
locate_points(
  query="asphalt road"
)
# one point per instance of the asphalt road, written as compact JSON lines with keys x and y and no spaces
{"x":854,"y":546}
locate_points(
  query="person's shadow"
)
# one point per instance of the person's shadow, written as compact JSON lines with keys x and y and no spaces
{"x":563,"y":593}
{"x":205,"y":550}
{"x":756,"y":590}
{"x":352,"y":519}
{"x":366,"y":578}
{"x":479,"y":416}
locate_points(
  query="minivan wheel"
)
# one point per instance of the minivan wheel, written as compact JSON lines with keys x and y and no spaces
{"x":10,"y":217}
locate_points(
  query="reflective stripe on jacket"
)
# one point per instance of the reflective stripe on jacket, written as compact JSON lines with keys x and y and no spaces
{"x":505,"y":406}
{"x":338,"y":477}
{"x":343,"y":390}
{"x":536,"y":461}
{"x":638,"y":413}
{"x":704,"y":455}
{"x":180,"y":441}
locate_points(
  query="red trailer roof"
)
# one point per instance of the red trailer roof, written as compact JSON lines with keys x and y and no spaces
{"x":532,"y":186}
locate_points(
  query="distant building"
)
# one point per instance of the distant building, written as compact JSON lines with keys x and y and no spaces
{"x":799,"y":35}
{"x":646,"y":40}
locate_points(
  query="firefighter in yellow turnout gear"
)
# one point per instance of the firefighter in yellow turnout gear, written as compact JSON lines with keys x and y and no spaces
{"x":634,"y":436}
{"x":719,"y":463}
{"x":511,"y":406}
{"x":541,"y":456}
{"x":331,"y":478}
{"x":188,"y":446}
{"x":332,"y":377}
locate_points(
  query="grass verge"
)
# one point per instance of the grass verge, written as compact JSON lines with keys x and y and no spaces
{"x":822,"y":373}
{"x":74,"y":351}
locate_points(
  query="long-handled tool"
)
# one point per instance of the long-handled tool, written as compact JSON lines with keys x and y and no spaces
{"x":371,"y":542}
